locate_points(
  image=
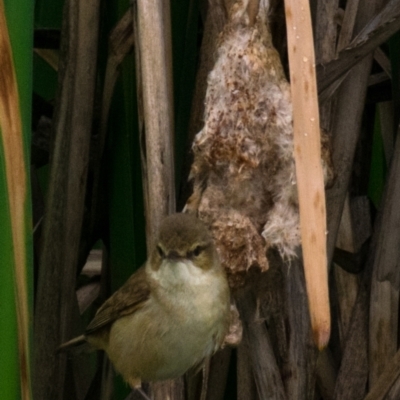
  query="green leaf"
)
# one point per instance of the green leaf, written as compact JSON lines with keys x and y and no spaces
{"x":16,"y":272}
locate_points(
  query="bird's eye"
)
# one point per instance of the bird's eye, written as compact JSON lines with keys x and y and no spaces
{"x":196,"y":251}
{"x":160,"y":251}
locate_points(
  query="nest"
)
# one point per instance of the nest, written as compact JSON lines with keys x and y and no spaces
{"x":243,"y":169}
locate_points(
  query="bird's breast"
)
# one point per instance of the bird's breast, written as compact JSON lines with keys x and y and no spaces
{"x":191,"y":293}
{"x":184,"y":321}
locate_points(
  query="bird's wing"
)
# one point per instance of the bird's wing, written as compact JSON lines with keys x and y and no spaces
{"x":128,"y":299}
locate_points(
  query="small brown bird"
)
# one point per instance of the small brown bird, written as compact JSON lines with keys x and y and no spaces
{"x":172,"y":313}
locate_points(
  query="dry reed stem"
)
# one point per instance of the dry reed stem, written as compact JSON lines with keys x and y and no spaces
{"x":386,"y":379}
{"x":154,"y":37}
{"x":379,"y":29}
{"x":255,"y":334}
{"x":349,"y":19}
{"x":11,"y":135}
{"x":385,"y":285}
{"x":62,"y":225}
{"x":155,"y":59}
{"x":308,"y":165}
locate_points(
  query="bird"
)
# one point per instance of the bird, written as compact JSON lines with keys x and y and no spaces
{"x":171,"y":314}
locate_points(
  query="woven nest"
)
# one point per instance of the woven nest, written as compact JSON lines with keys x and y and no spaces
{"x":243,"y":169}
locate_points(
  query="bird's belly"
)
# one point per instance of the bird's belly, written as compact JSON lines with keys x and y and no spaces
{"x":154,"y":345}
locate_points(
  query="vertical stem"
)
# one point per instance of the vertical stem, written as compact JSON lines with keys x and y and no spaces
{"x":156,"y":77}
{"x":154,"y":36}
{"x":308,"y":164}
{"x":66,"y":195}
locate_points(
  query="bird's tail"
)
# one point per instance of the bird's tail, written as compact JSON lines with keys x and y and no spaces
{"x":75,"y":342}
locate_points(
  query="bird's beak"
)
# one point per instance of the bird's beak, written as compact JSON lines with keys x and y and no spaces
{"x":174,"y":256}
